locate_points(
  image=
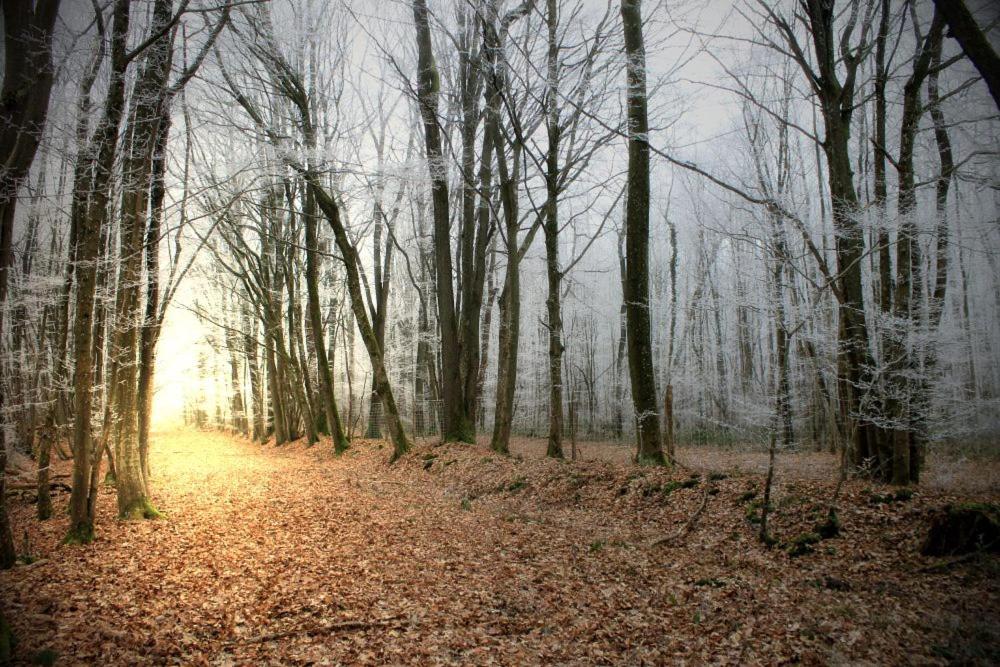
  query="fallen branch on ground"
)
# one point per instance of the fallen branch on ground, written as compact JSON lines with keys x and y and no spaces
{"x":33,"y":486}
{"x":687,"y":527}
{"x":948,"y":564}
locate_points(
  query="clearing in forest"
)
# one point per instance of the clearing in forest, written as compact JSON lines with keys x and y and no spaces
{"x":457,"y":556}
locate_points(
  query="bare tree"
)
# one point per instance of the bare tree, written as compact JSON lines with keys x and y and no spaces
{"x":963,"y":27}
{"x":640,"y":350}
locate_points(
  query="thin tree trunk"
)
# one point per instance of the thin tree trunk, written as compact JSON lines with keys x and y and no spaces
{"x":380,"y":380}
{"x":329,"y":402}
{"x":551,"y":229}
{"x":94,"y":213}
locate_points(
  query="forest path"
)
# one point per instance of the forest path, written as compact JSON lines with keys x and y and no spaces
{"x":289,"y":555}
{"x":292,"y":556}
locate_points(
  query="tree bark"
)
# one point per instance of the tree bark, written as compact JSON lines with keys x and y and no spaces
{"x":901,"y":363}
{"x":380,"y":382}
{"x":24,"y":104}
{"x":637,"y":307}
{"x":329,"y":402}
{"x":456,"y":425}
{"x":141,"y":138}
{"x":94,"y":195}
{"x":551,"y":230}
{"x":963,"y":27}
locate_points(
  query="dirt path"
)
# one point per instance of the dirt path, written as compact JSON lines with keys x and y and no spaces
{"x":288,"y":556}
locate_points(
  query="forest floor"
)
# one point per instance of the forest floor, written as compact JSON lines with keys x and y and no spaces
{"x":453,"y":555}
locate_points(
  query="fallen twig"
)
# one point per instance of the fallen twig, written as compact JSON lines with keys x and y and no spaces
{"x":689,"y":525}
{"x":939,"y":567}
{"x":33,"y":486}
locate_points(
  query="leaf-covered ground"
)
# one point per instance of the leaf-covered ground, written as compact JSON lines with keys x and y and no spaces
{"x":456,"y":556}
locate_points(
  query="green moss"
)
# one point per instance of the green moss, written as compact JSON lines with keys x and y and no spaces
{"x":464,"y":431}
{"x":517,"y":485}
{"x":747,"y":496}
{"x":466,"y":504}
{"x":672,"y":486}
{"x":903,"y":495}
{"x":829,"y":528}
{"x":987,"y":508}
{"x":712,"y":582}
{"x":110,"y":479}
{"x":46,"y":657}
{"x":801,"y":545}
{"x":753,"y":513}
{"x":596,"y":546}
{"x":141,"y":509}
{"x":7,"y":642}
{"x":717,"y":476}
{"x":657,"y":459}
{"x":80,"y":534}
{"x":789,"y":500}
{"x":340,"y":446}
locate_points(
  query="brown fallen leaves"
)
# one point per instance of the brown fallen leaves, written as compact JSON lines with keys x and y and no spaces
{"x":457,"y":556}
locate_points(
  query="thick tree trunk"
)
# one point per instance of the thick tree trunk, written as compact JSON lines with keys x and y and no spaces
{"x":669,"y":444}
{"x":637,"y":306}
{"x":275,"y":387}
{"x":900,"y":360}
{"x":456,"y":425}
{"x":935,"y":309}
{"x":486,"y":327}
{"x":879,"y":159}
{"x":24,"y":104}
{"x":506,"y":360}
{"x":133,"y":492}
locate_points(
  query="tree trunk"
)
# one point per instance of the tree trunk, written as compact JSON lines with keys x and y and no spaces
{"x":457,"y":425}
{"x":962,"y":26}
{"x":8,"y":555}
{"x":900,"y":361}
{"x":640,"y":351}
{"x":152,"y":320}
{"x":551,"y":230}
{"x":133,"y":492}
{"x":24,"y":104}
{"x":93,"y":218}
{"x":256,"y":386}
{"x":329,"y":402}
{"x":380,"y":381}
